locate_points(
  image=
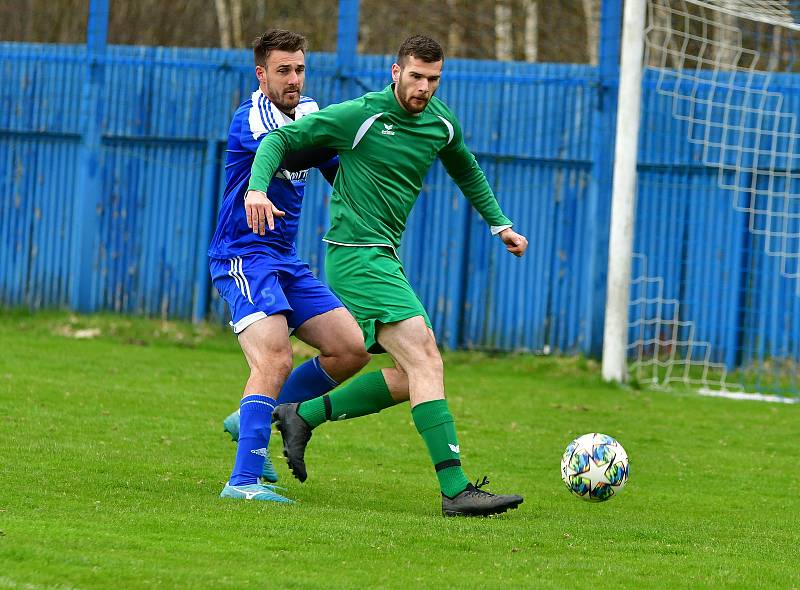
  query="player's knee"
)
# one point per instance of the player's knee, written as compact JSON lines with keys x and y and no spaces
{"x":426,"y":357}
{"x":397,"y":381}
{"x":434,"y":364}
{"x":401,"y":372}
{"x":349,"y":362}
{"x":273,"y":365}
{"x":284,"y":366}
{"x":348,"y":353}
{"x":358,"y":358}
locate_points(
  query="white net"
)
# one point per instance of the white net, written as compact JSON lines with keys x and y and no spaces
{"x":666,"y":348}
{"x":721,"y":87}
{"x":724,"y":68}
{"x":775,"y":12}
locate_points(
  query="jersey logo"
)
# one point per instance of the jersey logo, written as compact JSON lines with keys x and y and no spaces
{"x":388,"y":129}
{"x":300,"y":176}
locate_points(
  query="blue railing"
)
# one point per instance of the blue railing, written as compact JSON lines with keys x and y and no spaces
{"x":541,"y":132}
{"x":163,"y":135}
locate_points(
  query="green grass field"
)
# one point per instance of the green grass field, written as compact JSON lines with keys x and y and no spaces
{"x":113,"y":457}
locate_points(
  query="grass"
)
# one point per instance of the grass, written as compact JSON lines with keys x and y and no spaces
{"x":113,"y":457}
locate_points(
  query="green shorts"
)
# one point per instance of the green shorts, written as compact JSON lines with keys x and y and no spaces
{"x":371,"y":282}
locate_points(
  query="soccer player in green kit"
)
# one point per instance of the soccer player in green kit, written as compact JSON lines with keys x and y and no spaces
{"x":387,"y":142}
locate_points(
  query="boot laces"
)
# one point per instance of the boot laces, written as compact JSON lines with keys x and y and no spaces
{"x":477,"y":491}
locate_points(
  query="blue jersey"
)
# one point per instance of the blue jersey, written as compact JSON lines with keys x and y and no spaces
{"x":253,"y":120}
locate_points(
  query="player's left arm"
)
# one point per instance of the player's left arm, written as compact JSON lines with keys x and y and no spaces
{"x":463,"y":168}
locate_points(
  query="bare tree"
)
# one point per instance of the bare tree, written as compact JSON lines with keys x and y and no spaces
{"x":261,"y":13}
{"x":503,"y":40}
{"x":775,"y":54}
{"x":474,"y":29}
{"x":364,"y":37}
{"x":725,"y":37}
{"x":531,"y":41}
{"x":236,"y":21}
{"x":660,"y":41}
{"x":591,"y":16}
{"x":224,"y":23}
{"x":455,"y":33}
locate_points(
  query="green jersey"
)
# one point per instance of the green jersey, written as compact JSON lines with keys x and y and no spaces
{"x":384,"y":154}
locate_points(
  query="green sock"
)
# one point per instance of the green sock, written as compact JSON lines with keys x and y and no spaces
{"x":435,"y":424}
{"x":364,"y":395}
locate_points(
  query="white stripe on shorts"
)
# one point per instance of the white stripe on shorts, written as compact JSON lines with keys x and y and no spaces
{"x":234,"y":276}
{"x":237,"y":274}
{"x":244,"y":280}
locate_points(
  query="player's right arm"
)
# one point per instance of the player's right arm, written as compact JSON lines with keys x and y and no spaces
{"x":327,"y":128}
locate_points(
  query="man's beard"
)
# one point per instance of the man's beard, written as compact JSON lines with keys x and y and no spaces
{"x":412,"y":106}
{"x":287,"y":106}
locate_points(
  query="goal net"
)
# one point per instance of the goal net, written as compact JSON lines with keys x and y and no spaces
{"x":715,"y":281}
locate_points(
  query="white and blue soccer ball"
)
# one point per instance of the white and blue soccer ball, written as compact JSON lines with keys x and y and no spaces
{"x":594,"y":467}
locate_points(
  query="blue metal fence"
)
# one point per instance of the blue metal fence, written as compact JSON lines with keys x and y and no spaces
{"x":542,"y":132}
{"x":164,"y":128}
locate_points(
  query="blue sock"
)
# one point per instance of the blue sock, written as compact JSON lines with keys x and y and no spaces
{"x":255,"y":425}
{"x":306,"y":382}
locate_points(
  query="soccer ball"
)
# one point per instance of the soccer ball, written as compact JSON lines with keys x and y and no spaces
{"x":594,"y":467}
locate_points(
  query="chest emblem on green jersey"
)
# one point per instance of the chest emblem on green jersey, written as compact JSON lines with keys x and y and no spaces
{"x":387,"y":129}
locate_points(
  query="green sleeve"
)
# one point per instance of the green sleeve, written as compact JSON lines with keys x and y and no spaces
{"x":330,"y":127}
{"x":463,"y":168}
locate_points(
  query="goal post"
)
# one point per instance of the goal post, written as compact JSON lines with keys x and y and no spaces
{"x":623,"y":196}
{"x":704,"y":247}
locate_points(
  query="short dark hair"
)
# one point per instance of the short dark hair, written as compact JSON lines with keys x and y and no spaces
{"x":276,"y":39}
{"x":421,"y":47}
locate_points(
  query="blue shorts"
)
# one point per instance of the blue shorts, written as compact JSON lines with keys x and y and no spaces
{"x":259,"y":285}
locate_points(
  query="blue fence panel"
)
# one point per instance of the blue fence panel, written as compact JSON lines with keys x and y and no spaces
{"x":529,"y":303}
{"x":38,"y":181}
{"x":48,"y":270}
{"x":660,"y":225}
{"x":711,"y":280}
{"x":149,"y":221}
{"x":434,"y":252}
{"x":532,"y":126}
{"x":41,"y":88}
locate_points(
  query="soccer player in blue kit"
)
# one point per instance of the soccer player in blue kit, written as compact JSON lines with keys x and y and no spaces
{"x":269,"y":290}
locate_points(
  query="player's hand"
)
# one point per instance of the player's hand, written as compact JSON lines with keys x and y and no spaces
{"x":261,"y":213}
{"x":515,"y":243}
